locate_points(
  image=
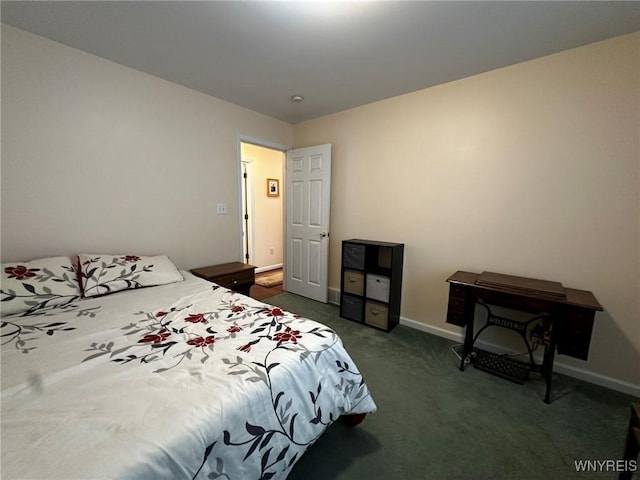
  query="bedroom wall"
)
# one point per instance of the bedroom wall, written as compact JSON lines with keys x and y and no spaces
{"x":529,"y":170}
{"x":101,"y":158}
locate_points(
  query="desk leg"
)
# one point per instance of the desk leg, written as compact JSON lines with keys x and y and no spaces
{"x":467,"y":347}
{"x":547,"y":367}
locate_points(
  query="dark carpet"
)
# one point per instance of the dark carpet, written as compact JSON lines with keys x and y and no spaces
{"x":435,"y":422}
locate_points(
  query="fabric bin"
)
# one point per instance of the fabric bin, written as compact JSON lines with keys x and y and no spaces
{"x":378,"y":287}
{"x":353,"y":282}
{"x":353,"y":255}
{"x":351,"y":307}
{"x":376,"y":314}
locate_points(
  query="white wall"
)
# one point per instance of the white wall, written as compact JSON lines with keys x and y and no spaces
{"x":101,"y":158}
{"x":529,"y":170}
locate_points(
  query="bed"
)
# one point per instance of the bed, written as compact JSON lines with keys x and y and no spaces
{"x":183,"y":379}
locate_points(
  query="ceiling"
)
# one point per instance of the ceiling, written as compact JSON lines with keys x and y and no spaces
{"x":337,"y":55}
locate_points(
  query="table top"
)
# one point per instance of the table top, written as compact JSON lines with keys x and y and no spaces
{"x":222,"y":269}
{"x":526,"y":287}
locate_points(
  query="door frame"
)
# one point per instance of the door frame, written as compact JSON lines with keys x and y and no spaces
{"x":246,"y":196}
{"x":272,"y":146}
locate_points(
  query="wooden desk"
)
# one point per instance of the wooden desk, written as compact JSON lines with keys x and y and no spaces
{"x":237,"y":276}
{"x":567,"y":314}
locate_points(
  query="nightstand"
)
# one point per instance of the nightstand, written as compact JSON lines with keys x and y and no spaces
{"x":237,"y":276}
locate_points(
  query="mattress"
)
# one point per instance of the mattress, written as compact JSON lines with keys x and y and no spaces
{"x":184,"y":380}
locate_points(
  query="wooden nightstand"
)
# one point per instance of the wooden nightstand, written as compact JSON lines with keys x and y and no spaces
{"x":237,"y":276}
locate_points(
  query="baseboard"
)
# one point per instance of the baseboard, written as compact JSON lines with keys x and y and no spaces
{"x":440,"y":332}
{"x":558,"y":366}
{"x":334,"y":296}
{"x":270,"y":267}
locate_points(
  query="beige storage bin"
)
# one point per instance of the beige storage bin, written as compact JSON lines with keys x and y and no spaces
{"x":354,"y":282}
{"x":378,"y":287}
{"x":376,"y":314}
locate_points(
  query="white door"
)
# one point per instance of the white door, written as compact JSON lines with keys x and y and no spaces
{"x":307,"y":199}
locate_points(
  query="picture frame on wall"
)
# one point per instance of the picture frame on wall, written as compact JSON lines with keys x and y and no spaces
{"x":273,"y":187}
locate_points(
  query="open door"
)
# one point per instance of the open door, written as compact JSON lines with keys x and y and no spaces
{"x":307,"y":199}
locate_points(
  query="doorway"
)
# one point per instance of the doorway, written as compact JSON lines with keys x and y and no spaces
{"x":299,"y":247}
{"x":262,"y":200}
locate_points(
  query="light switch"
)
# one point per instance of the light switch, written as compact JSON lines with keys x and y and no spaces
{"x":221,"y":209}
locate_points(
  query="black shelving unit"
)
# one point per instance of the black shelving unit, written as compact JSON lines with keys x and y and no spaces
{"x":371,"y":282}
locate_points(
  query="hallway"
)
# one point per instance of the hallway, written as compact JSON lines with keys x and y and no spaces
{"x":260,"y":293}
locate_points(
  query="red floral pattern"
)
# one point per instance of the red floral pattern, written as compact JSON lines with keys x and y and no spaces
{"x":275,"y":312}
{"x":130,"y":258}
{"x":196,"y":318}
{"x":288,"y":335}
{"x":21,"y":272}
{"x":201,"y":342}
{"x":158,"y":337}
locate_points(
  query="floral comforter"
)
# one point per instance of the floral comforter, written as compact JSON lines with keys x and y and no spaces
{"x":186,"y":380}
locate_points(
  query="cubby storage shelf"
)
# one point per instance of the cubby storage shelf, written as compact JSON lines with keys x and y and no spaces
{"x":371,"y":282}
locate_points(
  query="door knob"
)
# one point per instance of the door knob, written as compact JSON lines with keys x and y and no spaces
{"x":324,"y":234}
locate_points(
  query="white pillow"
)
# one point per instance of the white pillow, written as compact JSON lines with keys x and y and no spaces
{"x":38,"y":284}
{"x":102,"y":274}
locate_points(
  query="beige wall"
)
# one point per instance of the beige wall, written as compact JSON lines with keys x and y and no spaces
{"x":530,"y":170}
{"x":268,"y":220}
{"x":97,"y":157}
